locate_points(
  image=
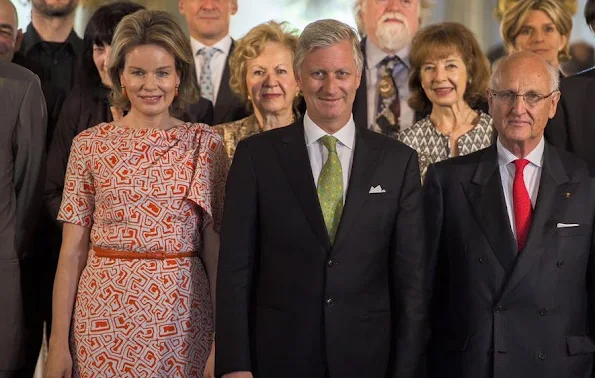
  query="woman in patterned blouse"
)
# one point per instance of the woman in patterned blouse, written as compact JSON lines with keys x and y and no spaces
{"x":262,"y":76}
{"x":449,"y":79}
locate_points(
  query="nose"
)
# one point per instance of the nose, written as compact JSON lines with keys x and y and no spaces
{"x":537,"y":36}
{"x":149,"y":82}
{"x":330,"y":85}
{"x":108,"y":53}
{"x":519,"y":106}
{"x":270,"y":79}
{"x":208,"y":4}
{"x":440,"y":74}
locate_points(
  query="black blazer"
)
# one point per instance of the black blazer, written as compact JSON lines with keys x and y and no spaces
{"x":228,"y":107}
{"x":498,"y":313}
{"x":291,"y":305}
{"x":572,"y":128}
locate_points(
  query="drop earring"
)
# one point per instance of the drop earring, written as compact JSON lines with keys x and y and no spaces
{"x":124,"y":91}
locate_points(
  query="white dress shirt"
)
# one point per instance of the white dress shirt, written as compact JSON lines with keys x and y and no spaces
{"x":217,"y":61}
{"x":319,"y":154}
{"x":531,"y":175}
{"x":374,"y":55}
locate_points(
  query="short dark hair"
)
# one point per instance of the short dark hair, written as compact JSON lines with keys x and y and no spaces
{"x":590,"y":13}
{"x":100,"y":31}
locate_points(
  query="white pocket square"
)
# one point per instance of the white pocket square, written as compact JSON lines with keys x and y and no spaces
{"x":376,"y":189}
{"x":566,"y":225}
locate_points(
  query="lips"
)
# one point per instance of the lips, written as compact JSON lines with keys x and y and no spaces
{"x":150,"y":99}
{"x":271,"y":96}
{"x":443,"y":91}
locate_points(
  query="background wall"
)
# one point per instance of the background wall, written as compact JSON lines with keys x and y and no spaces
{"x":475,"y":14}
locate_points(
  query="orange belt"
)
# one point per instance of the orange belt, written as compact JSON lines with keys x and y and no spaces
{"x":157,"y":255}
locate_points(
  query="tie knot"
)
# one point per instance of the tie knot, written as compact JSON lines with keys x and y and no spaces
{"x":207,"y":52}
{"x":520,"y":164}
{"x":330,"y":142}
{"x":390,"y":62}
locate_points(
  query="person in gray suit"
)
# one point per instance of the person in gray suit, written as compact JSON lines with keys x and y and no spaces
{"x":23,"y":119}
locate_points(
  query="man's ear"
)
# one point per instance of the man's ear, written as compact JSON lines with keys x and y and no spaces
{"x":19,"y":40}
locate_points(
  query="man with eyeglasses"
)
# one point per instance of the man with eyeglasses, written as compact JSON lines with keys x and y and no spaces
{"x":572,"y":127}
{"x":510,"y":230}
{"x":387,"y":28}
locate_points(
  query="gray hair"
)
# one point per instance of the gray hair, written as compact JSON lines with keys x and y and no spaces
{"x":325,"y":33}
{"x":552,"y":72}
{"x":423,"y":7}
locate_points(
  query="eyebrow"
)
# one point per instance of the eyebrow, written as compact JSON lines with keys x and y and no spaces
{"x":7,"y":26}
{"x":158,"y":68}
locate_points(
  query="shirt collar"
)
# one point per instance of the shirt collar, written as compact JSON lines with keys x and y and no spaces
{"x":32,"y":38}
{"x":224,"y":45}
{"x":346,"y":135}
{"x":535,"y":157}
{"x":374,"y":54}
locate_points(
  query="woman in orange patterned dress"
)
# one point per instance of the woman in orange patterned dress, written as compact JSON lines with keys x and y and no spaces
{"x":146,"y":192}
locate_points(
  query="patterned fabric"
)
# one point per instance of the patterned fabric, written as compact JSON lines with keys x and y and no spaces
{"x":233,"y":132}
{"x":522,"y":203}
{"x":389,"y":105}
{"x":205,"y":81}
{"x":143,"y":190}
{"x":432,"y":146}
{"x":330,"y":187}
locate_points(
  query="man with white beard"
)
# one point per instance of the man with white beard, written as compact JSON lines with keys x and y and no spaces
{"x":387,"y":27}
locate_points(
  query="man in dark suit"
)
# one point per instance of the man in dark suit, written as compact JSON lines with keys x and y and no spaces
{"x":572,"y":127}
{"x":388,"y":28}
{"x":309,"y":284}
{"x":510,"y":233}
{"x":212,"y":46}
{"x":23,"y":120}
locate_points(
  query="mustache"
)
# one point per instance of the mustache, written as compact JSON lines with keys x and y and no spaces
{"x":208,"y":13}
{"x":393,"y":15}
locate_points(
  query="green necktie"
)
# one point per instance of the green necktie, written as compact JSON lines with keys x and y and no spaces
{"x":330,"y":187}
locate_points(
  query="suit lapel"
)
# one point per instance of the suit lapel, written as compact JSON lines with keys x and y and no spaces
{"x":360,"y":106}
{"x":487,"y":200}
{"x":553,"y":184}
{"x":296,"y":166}
{"x":366,"y":159}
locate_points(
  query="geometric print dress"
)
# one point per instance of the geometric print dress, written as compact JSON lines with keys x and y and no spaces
{"x":144,"y":190}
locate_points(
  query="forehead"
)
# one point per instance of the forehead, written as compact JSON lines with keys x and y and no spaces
{"x":272,"y":51}
{"x":525,"y":76}
{"x":339,"y":55}
{"x":7,"y":14}
{"x":149,"y":56}
{"x":537,"y":17}
{"x":412,"y":6}
{"x":442,"y":53}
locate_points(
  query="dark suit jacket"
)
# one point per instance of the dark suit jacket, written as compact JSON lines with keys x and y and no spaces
{"x":290,"y":304}
{"x":228,"y":107}
{"x":23,"y":119}
{"x":573,"y":126}
{"x":497,"y":313}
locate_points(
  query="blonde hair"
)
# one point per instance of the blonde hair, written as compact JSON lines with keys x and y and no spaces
{"x":424,"y":6}
{"x":150,"y":27}
{"x":514,"y":17}
{"x":251,"y":46}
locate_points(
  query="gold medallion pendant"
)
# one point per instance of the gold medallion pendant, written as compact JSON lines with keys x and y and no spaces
{"x":386,"y":87}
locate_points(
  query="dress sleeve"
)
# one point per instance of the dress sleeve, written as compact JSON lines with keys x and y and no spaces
{"x":78,"y":198}
{"x":207,"y":188}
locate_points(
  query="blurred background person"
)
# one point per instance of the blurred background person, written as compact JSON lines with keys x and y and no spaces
{"x":51,"y":41}
{"x":262,"y":76}
{"x":582,"y":57}
{"x":208,"y":23}
{"x":572,"y":126}
{"x":387,"y":28}
{"x":22,"y":154}
{"x":146,"y":191}
{"x":539,"y":26}
{"x":449,"y":78}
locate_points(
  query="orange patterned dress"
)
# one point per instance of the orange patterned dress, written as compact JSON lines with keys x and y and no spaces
{"x":144,"y":190}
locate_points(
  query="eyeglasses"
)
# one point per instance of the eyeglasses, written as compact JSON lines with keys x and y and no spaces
{"x":531,"y":99}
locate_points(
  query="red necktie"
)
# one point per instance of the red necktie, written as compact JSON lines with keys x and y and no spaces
{"x":522,"y":203}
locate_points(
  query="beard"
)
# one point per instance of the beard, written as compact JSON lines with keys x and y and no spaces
{"x":393,"y":36}
{"x":6,"y":52}
{"x":57,"y":11}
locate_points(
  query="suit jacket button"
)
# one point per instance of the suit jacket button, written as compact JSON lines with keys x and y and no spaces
{"x":541,"y":356}
{"x":331,"y":263}
{"x":543,"y":311}
{"x":329,"y":302}
{"x":560,"y":264}
{"x":483,"y":260}
{"x":498,"y":309}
